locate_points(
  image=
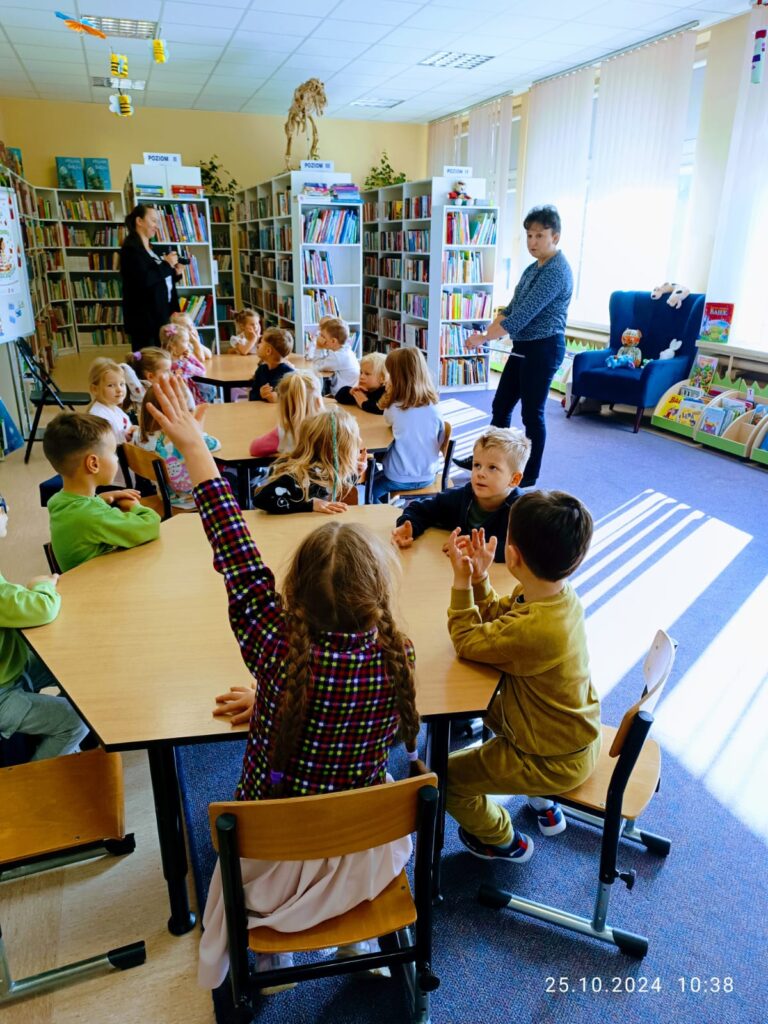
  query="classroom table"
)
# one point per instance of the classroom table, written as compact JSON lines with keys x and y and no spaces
{"x":230,"y":371}
{"x":236,"y":424}
{"x":146,"y":672}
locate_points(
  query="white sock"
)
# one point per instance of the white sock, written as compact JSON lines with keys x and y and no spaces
{"x":540,"y":803}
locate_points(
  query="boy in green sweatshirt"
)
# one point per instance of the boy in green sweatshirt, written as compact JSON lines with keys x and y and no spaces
{"x":83,"y":449}
{"x":22,"y":709}
{"x":545,"y":714}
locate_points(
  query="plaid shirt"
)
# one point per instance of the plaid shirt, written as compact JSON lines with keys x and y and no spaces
{"x":352,"y":714}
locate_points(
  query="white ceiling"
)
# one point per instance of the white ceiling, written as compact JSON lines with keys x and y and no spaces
{"x":249,"y":55}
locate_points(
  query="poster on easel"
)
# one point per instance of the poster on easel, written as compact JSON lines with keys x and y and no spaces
{"x":16,"y":316}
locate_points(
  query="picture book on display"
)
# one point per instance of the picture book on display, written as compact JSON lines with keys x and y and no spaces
{"x":703,"y":371}
{"x":716,"y":322}
{"x":69,"y":172}
{"x":97,"y":174}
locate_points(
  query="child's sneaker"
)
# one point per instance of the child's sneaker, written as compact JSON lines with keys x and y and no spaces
{"x":551,"y":821}
{"x":360,"y":949}
{"x":519,"y":852}
{"x":273,"y":962}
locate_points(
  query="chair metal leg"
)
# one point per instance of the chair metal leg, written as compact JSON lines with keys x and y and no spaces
{"x":33,"y":431}
{"x":121,"y":959}
{"x":572,"y":406}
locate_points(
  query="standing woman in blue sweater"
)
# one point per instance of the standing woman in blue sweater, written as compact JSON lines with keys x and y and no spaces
{"x":535,"y":321}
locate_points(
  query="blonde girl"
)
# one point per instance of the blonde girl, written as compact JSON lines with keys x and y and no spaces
{"x":335,"y":687}
{"x":370,"y":388}
{"x":248,"y":326}
{"x":410,"y":407}
{"x":299,"y":396}
{"x":106,"y":384}
{"x":150,"y":437}
{"x":177,"y":341}
{"x":142,"y":369}
{"x":201,"y":351}
{"x":325,"y":463}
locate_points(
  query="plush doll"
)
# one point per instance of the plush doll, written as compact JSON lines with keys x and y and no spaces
{"x":677,"y":293}
{"x":629,"y":354}
{"x":669,"y":353}
{"x":458,"y":196}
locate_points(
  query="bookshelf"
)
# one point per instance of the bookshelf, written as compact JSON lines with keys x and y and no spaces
{"x":428,"y":270}
{"x":222,"y":209}
{"x":300,"y":256}
{"x":185,"y":226}
{"x":91,"y":225}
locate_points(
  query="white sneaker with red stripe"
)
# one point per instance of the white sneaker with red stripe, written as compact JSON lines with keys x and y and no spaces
{"x":551,"y":820}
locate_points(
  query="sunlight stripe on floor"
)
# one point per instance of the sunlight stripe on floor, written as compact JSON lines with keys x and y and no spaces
{"x":631,"y":501}
{"x":626,"y":521}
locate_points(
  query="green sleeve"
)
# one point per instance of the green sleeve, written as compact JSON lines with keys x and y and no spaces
{"x":22,"y":607}
{"x":489,"y":603}
{"x":126,"y":529}
{"x":474,"y":637}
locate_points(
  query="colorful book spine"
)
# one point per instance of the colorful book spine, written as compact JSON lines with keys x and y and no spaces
{"x":416,"y":305}
{"x":465,"y":305}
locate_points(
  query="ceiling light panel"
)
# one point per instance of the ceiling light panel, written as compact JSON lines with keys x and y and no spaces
{"x":375,"y":102}
{"x":124,"y":28}
{"x":451,"y":59}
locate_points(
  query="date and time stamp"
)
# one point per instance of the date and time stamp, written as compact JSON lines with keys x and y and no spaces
{"x":682,"y":985}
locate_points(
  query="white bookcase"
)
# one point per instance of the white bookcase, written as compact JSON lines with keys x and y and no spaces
{"x":92,"y":226}
{"x":222,"y":208}
{"x":289,"y":246}
{"x":414,"y":271}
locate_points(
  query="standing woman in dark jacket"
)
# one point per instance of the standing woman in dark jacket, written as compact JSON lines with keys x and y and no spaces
{"x":149,"y":280}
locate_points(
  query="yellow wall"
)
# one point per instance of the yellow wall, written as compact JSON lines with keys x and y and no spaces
{"x":250,"y":146}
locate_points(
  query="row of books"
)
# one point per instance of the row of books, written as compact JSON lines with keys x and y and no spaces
{"x":99,"y":314}
{"x":86,"y":209}
{"x":190,"y":275}
{"x":466,"y":305}
{"x":416,"y":305}
{"x":416,"y":270}
{"x":96,"y":288}
{"x":370,"y":295}
{"x":389,"y":298}
{"x":284,"y":237}
{"x":59,"y":317}
{"x":219,"y":213}
{"x":417,"y":241}
{"x":371,"y":266}
{"x":57,"y":289}
{"x":459,"y":372}
{"x":345,"y":192}
{"x":199,"y":307}
{"x":465,"y":229}
{"x":225,"y":263}
{"x":93,"y":261}
{"x":371,"y":240}
{"x":285,"y":306}
{"x":337,"y":227}
{"x":453,"y":341}
{"x":686,"y":405}
{"x":283,"y":200}
{"x":262,"y":208}
{"x":370,"y":212}
{"x":317,"y":303}
{"x":46,"y":208}
{"x":182,"y":222}
{"x":98,"y":238}
{"x":187,"y":191}
{"x":42,"y":234}
{"x":53,"y":261}
{"x":390,"y":241}
{"x":415,"y":336}
{"x":412,"y":208}
{"x":370,"y":322}
{"x":390,"y":266}
{"x":107,"y":336}
{"x":462,"y":268}
{"x":418,"y":207}
{"x":389,"y":328}
{"x":316,"y":266}
{"x":392,"y":209}
{"x":266,"y":238}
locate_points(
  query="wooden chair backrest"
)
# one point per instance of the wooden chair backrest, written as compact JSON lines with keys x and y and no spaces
{"x":142,"y":463}
{"x":329,"y":825}
{"x":446,"y":443}
{"x":656,"y":669}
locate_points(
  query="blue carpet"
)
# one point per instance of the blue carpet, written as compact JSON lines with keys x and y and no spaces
{"x":680,"y":543}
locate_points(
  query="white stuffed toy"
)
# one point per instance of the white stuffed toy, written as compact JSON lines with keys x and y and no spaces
{"x":677,"y":293}
{"x":669,"y":353}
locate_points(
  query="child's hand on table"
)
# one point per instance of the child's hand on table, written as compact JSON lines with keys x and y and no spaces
{"x":461,"y":562}
{"x":267,"y":393}
{"x":123,"y":500}
{"x":328,"y":507}
{"x":402,"y":536}
{"x":54,"y":579}
{"x":236,"y":704}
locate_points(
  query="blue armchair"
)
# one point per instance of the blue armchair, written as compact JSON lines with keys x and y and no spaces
{"x":641,"y":387}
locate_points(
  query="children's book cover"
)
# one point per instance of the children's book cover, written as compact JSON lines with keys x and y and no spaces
{"x":703,"y":371}
{"x":97,"y":174}
{"x":689,"y":413}
{"x":671,"y":407}
{"x":716,"y":322}
{"x":713,"y":421}
{"x":687,"y":391}
{"x":69,"y":171}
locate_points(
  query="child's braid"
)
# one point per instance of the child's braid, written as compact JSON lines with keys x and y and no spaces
{"x":293,"y":706}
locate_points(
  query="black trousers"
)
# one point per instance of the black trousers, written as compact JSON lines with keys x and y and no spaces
{"x":527,"y":380}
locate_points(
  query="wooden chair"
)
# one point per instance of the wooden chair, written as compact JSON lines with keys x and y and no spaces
{"x":56,"y":812}
{"x":441,"y":482}
{"x":45,"y":392}
{"x":304,"y":828}
{"x":135,"y":461}
{"x":613,"y":797}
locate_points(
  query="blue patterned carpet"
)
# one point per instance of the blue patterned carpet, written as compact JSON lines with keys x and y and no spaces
{"x":680,"y":543}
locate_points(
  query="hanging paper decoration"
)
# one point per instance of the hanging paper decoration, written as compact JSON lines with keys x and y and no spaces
{"x":118,"y":65}
{"x":121,"y":104}
{"x":159,"y":51}
{"x":83,"y":25}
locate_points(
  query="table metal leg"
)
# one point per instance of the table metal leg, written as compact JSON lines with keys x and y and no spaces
{"x":170,"y":830}
{"x":438,"y":743}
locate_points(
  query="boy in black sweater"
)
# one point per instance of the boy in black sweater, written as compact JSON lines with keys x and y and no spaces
{"x":498,"y":461}
{"x":275,"y":345}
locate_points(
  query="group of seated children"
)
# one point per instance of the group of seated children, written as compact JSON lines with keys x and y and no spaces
{"x":336,"y":676}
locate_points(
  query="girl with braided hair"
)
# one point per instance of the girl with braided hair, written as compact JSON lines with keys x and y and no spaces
{"x":335,"y":688}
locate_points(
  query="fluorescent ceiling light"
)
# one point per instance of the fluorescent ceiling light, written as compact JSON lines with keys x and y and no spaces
{"x":374,"y":102}
{"x":117,"y":83}
{"x":127,"y":28}
{"x":450,"y":59}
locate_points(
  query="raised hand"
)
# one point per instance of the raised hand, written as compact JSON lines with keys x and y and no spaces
{"x":179,"y":424}
{"x":402,"y":536}
{"x":482,"y":552}
{"x":460,"y":560}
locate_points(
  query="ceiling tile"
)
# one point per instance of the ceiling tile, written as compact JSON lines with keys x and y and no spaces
{"x":376,"y":67}
{"x":333,"y":28}
{"x":562,"y":10}
{"x":32,"y":19}
{"x":444,"y":39}
{"x":193,"y":72}
{"x":520,"y":28}
{"x":176,"y":33}
{"x":242,"y":4}
{"x":193,"y":51}
{"x":22,"y":36}
{"x":321,"y":47}
{"x":228,"y":104}
{"x":17,"y":89}
{"x":400,"y":54}
{"x":576,"y":33}
{"x":314,"y":65}
{"x":56,"y":68}
{"x":63,"y":56}
{"x":250,"y":41}
{"x":169,"y":101}
{"x":317,"y":8}
{"x":148,"y":10}
{"x":261,"y":106}
{"x":376,"y":12}
{"x":200,"y":14}
{"x":625,"y":14}
{"x":280,"y":24}
{"x":492,"y":6}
